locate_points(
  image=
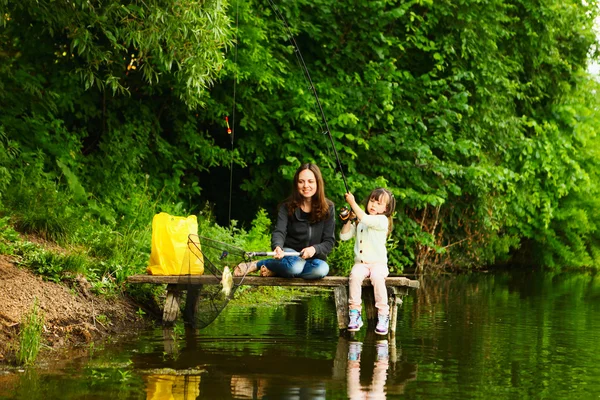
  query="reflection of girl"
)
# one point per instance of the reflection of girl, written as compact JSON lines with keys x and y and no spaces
{"x":370,"y":254}
{"x":305,"y":224}
{"x":376,"y":390}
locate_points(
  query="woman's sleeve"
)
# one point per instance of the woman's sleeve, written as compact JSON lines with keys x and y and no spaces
{"x":280,"y":231}
{"x":328,"y":238}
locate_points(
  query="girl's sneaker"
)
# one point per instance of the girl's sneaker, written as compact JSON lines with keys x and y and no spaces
{"x":383,"y":323}
{"x":356,"y":321}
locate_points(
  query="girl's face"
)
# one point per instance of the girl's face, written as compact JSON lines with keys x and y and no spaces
{"x":375,"y":207}
{"x":307,"y":184}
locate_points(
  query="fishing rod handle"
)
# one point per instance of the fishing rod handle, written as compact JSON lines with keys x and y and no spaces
{"x":271,"y":254}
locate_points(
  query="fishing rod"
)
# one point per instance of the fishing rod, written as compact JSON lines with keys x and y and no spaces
{"x":312,"y":87}
{"x":272,"y":253}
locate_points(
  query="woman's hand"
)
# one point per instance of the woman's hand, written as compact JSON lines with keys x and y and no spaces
{"x":308,"y":252}
{"x":278,"y":253}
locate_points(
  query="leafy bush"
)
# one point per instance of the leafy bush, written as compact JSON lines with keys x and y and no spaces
{"x":38,"y":204}
{"x":9,"y":151}
{"x":52,"y":265}
{"x":8,"y":236}
{"x":341,"y":258}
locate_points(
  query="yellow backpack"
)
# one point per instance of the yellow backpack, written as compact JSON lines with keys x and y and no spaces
{"x":175,"y":246}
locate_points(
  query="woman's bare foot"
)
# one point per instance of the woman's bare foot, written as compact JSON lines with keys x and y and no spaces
{"x":264,"y":271}
{"x":245,"y":268}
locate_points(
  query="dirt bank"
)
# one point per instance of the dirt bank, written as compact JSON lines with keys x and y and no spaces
{"x":73,"y":315}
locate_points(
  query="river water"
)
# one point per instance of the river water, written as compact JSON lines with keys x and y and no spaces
{"x":526,"y":335}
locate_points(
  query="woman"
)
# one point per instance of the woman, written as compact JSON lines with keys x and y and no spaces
{"x":305,"y":224}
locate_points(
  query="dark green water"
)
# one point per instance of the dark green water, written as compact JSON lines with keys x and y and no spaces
{"x":484,"y":336}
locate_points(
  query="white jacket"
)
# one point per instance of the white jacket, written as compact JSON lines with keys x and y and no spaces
{"x":371,"y":237}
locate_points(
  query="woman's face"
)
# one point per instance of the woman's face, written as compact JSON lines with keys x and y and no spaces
{"x":307,"y":184}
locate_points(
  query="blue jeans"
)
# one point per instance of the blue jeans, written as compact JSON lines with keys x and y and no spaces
{"x":296,"y":267}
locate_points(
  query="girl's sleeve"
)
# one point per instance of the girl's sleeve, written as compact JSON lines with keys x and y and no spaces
{"x":350,"y":234}
{"x":280,"y":231}
{"x":376,"y":222}
{"x":328,"y":238}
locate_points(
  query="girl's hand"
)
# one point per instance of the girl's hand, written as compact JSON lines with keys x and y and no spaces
{"x":358,"y":212}
{"x":350,"y":198}
{"x":278,"y":253}
{"x":308,"y":252}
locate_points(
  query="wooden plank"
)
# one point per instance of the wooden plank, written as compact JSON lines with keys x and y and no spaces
{"x":253,"y":280}
{"x":394,"y":300}
{"x":340,"y":294}
{"x":191,"y":304}
{"x":171,"y":309}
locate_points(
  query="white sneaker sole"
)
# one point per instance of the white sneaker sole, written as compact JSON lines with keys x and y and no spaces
{"x":355,"y":329}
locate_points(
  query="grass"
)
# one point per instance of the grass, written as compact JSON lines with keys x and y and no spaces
{"x":30,"y":336}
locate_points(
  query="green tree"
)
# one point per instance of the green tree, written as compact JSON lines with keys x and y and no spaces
{"x":102,"y":93}
{"x":478,"y":115}
{"x":452,"y":105}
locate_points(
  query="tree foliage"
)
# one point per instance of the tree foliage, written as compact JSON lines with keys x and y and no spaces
{"x":103,"y":42}
{"x":459,"y":107}
{"x":102,"y":92}
{"x":479,"y":116}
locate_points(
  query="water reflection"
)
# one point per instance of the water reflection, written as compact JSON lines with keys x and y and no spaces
{"x":375,"y":389}
{"x":368,"y":365}
{"x":500,"y":335}
{"x":356,"y":368}
{"x":243,"y":388}
{"x":167,"y":386}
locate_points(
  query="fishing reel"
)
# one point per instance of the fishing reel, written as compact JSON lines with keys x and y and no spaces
{"x":347,"y":214}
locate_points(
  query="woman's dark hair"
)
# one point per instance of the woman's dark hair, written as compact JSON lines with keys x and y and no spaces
{"x":320,"y":204}
{"x":376,"y":195}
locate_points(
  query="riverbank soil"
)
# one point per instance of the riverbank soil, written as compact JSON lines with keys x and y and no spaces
{"x":73,"y":315}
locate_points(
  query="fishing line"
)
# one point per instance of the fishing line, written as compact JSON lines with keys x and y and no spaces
{"x":289,"y":36}
{"x":231,"y":130}
{"x":311,"y":86}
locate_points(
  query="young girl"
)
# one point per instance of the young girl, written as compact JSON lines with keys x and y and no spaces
{"x":370,"y":254}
